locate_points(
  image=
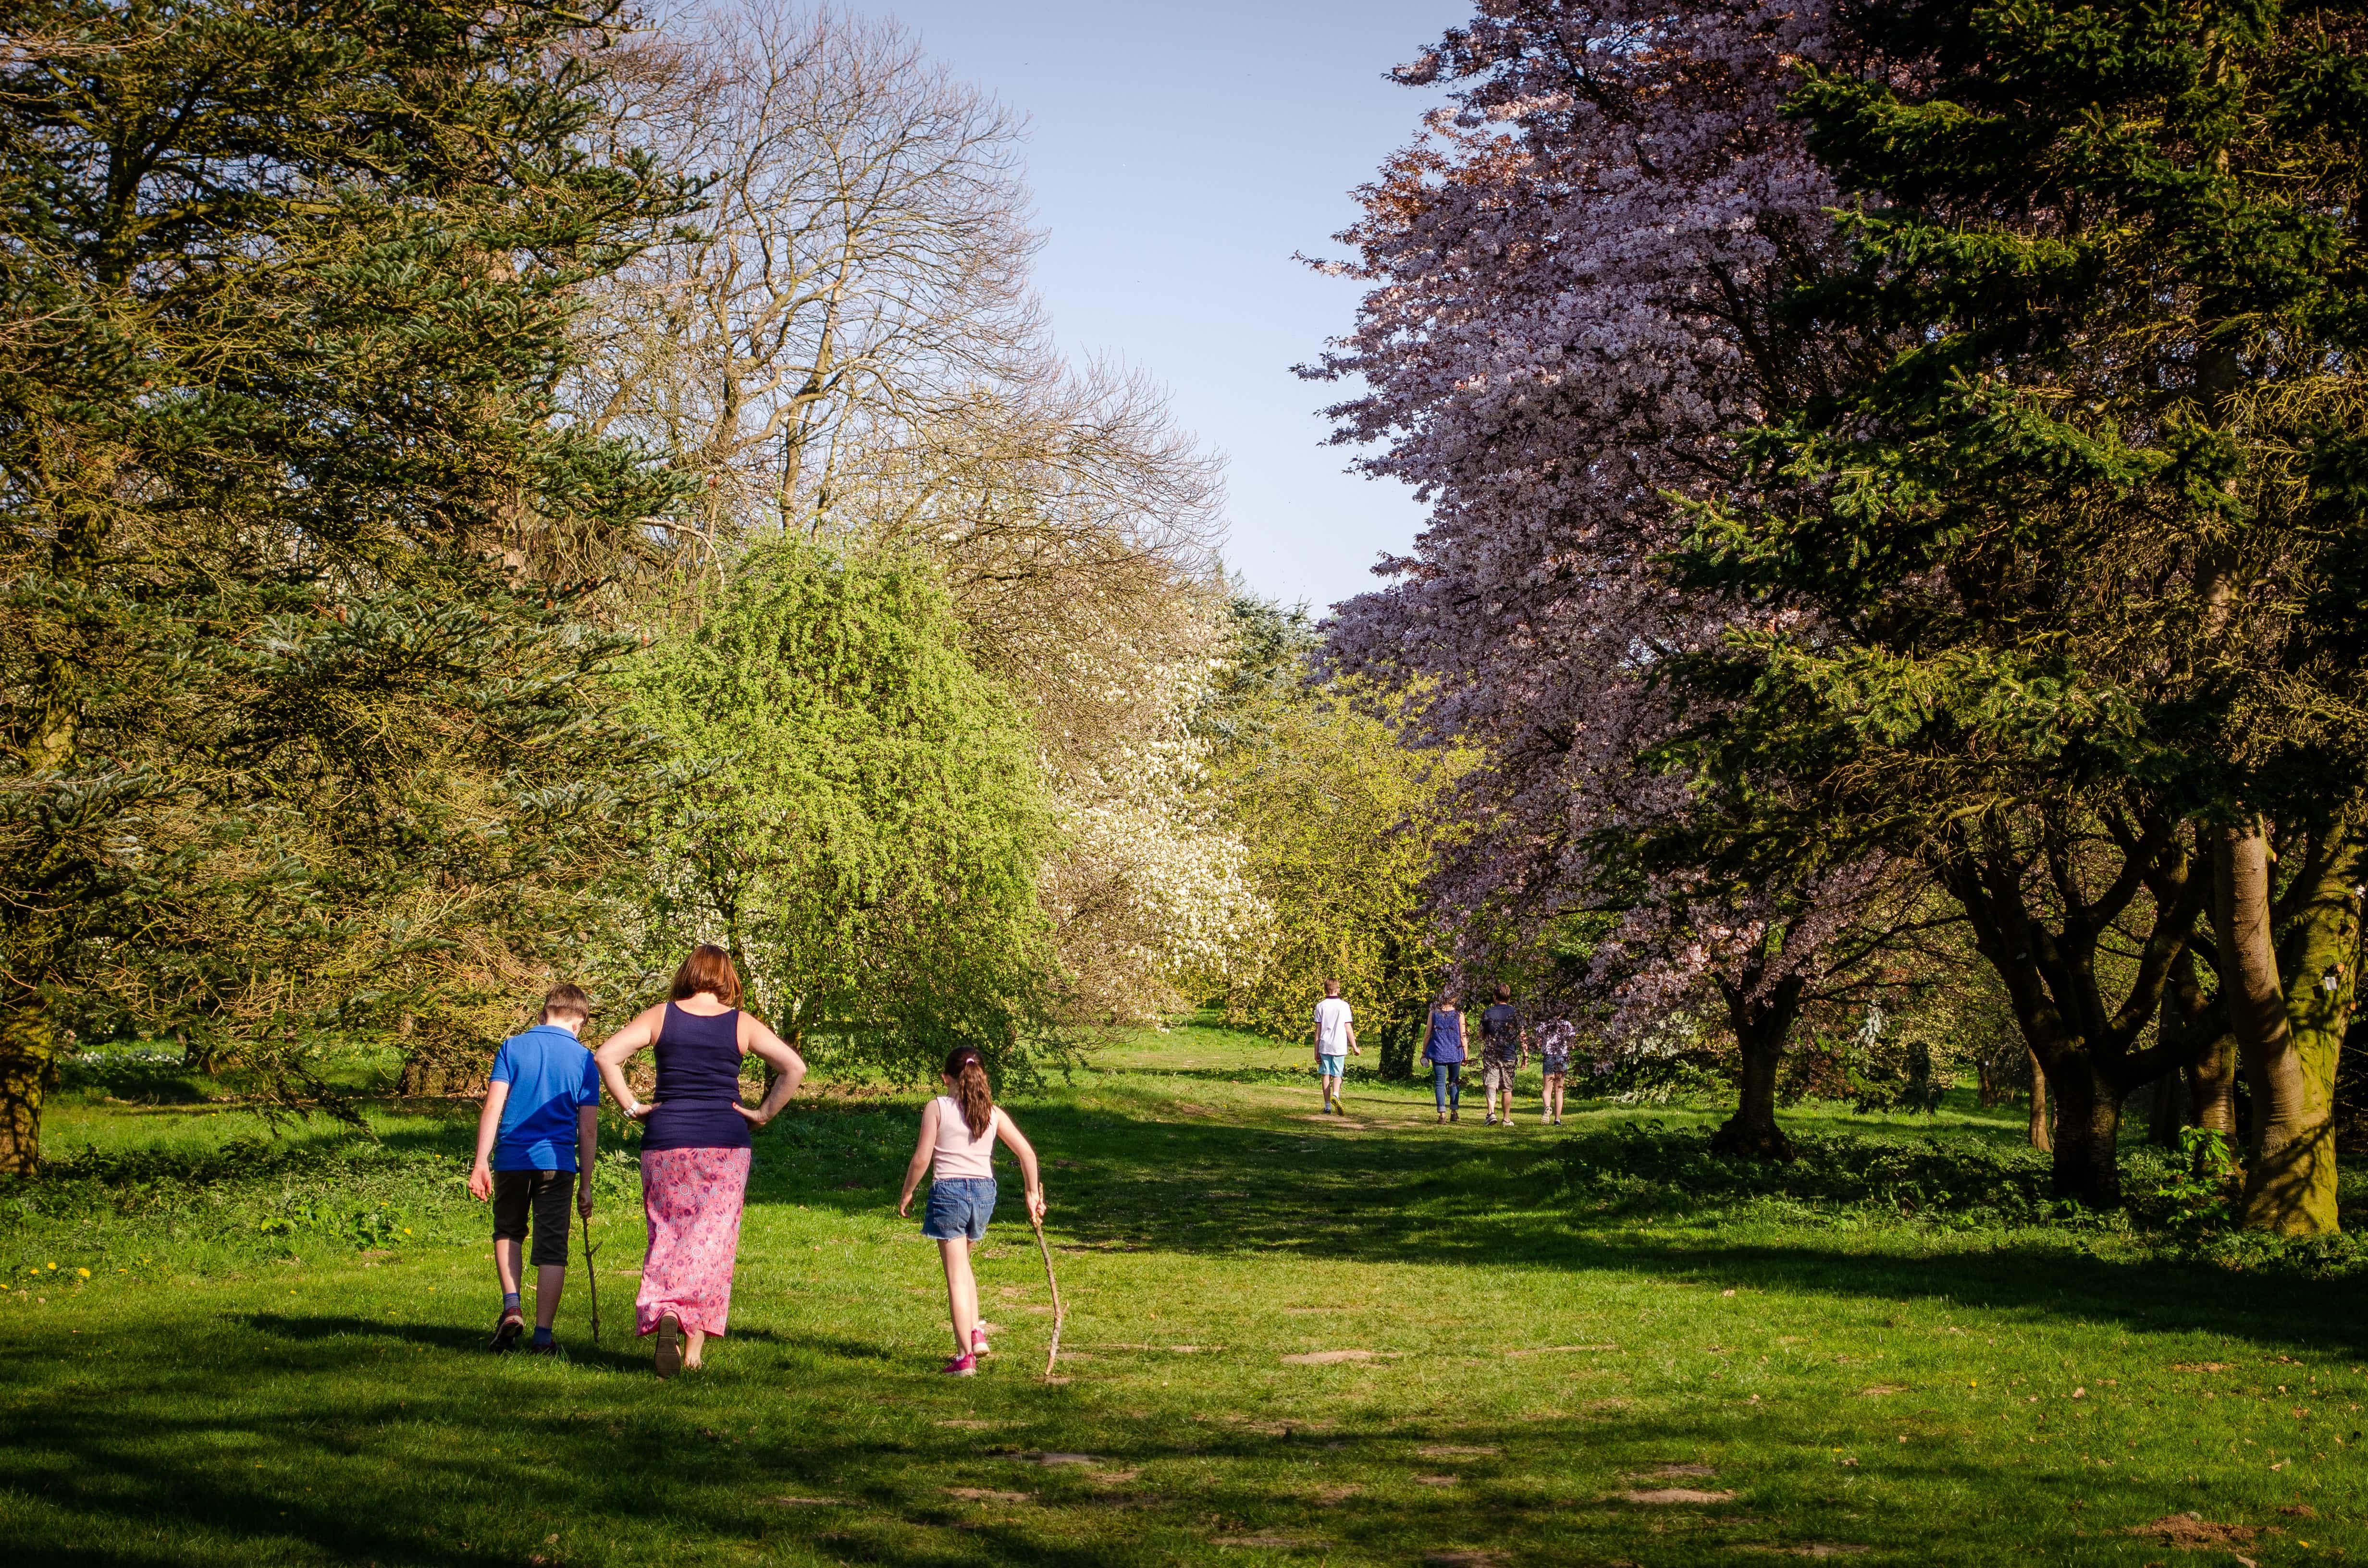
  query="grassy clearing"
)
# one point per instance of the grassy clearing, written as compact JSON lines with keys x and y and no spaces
{"x":1291,"y":1338}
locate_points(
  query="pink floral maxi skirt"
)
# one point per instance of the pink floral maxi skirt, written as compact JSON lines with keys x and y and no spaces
{"x":691,"y":1198}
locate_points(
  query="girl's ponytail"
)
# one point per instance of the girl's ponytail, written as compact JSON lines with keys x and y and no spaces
{"x":968,"y":1071}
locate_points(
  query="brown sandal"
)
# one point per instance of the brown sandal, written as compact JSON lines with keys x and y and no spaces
{"x":669,"y":1356}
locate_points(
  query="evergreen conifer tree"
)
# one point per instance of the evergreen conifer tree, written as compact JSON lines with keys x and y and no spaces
{"x":303,"y":725}
{"x":2062,"y":586}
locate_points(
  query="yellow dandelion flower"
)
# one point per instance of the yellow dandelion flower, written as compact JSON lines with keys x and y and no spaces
{"x":84,"y":1272}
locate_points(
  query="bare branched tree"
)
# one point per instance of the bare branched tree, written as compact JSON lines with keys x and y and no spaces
{"x":847,"y":348}
{"x":1076,"y":525}
{"x":863,"y":258}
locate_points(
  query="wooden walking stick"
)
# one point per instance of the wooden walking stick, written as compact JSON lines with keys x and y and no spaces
{"x":1060,"y":1314}
{"x":591,"y":1280}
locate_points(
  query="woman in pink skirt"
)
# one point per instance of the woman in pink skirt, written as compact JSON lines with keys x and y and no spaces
{"x":695,"y":1150}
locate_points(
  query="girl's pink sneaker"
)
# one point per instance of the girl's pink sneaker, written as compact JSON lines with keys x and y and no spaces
{"x":978,"y":1345}
{"x":963,"y":1366}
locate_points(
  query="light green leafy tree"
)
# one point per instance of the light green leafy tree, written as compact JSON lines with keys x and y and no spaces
{"x":1340,"y":827}
{"x":859,"y":819}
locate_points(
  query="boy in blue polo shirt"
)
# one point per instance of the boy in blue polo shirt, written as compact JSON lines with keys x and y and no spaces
{"x":541,"y":1107}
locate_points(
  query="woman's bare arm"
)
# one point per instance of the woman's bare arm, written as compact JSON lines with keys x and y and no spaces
{"x":789,"y":1068}
{"x":922,"y":1150}
{"x":1018,"y":1141}
{"x":620,"y":1047}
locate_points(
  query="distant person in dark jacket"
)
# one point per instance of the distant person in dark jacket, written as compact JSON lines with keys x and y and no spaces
{"x":1504,"y":1051}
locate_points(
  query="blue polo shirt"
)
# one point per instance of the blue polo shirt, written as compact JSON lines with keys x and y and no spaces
{"x":552,"y":1076}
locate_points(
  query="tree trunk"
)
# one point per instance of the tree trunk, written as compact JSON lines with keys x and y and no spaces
{"x":2211,"y":1088}
{"x":2041,"y":1137}
{"x":28,"y":1051}
{"x":1761,"y":1028}
{"x":2087,"y":1130}
{"x":2166,"y":1111}
{"x":2288,"y":1029}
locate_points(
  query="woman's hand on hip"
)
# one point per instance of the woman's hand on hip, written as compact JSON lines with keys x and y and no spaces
{"x":754,"y":1118}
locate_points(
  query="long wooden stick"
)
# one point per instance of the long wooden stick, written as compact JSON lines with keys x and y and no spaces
{"x":591,"y":1280}
{"x":1060,"y":1314}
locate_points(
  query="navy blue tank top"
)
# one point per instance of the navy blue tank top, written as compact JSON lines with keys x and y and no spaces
{"x":698,"y":1083}
{"x":1446,"y":1044}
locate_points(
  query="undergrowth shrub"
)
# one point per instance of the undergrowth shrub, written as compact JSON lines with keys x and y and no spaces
{"x":1647,"y":1167}
{"x":2175,"y":1205}
{"x":139,"y":1073}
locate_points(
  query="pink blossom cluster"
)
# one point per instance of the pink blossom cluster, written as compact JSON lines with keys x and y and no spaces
{"x":1567,"y":273}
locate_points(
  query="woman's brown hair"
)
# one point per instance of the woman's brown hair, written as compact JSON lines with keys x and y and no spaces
{"x":977,"y":1101}
{"x":708,"y":969}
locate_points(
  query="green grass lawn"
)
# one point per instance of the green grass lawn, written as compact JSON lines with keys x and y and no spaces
{"x":1290,"y":1337}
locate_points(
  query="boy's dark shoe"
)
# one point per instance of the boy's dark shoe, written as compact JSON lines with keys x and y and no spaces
{"x":547,"y":1347}
{"x":505,"y":1336}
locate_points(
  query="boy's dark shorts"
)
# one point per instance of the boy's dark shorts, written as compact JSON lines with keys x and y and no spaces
{"x":546,"y":1192}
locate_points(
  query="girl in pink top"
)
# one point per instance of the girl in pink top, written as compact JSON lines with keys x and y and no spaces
{"x":957,"y":1148}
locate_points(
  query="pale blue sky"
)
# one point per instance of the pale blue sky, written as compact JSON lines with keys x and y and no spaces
{"x":1178,"y":154}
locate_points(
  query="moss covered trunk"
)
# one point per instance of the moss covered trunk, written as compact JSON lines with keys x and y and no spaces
{"x":28,"y":1052}
{"x":2287,"y":972}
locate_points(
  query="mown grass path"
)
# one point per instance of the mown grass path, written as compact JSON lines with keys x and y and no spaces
{"x":1506,"y":1370}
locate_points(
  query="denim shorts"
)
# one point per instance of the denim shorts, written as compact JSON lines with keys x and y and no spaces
{"x":958,"y":1210}
{"x":1330,"y":1066}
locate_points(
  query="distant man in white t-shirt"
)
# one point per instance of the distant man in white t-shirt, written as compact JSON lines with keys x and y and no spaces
{"x":1335,"y":1036}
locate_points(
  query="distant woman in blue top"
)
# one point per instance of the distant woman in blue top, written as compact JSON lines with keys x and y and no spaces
{"x":695,"y":1150}
{"x":1443,"y":1048}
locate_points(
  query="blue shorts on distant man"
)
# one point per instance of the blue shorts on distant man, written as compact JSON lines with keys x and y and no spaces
{"x":1331,"y":1065}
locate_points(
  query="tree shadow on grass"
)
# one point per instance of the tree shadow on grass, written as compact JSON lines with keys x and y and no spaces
{"x":465,"y":1468}
{"x":1435,"y":1198}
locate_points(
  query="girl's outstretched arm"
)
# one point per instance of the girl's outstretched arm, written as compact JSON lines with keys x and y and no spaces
{"x":1017,"y":1142}
{"x":618,"y":1048}
{"x":922,"y":1150}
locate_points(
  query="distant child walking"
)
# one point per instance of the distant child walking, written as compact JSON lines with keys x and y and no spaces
{"x":957,"y":1148}
{"x":1554,"y":1053}
{"x":541,"y":1117}
{"x":1442,"y":1047}
{"x":1336,"y":1036}
{"x":1504,"y":1051}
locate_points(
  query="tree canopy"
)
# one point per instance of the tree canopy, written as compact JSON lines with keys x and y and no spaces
{"x":861,"y":820}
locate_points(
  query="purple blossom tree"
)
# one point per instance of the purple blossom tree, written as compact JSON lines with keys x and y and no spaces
{"x":1573,"y":274}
